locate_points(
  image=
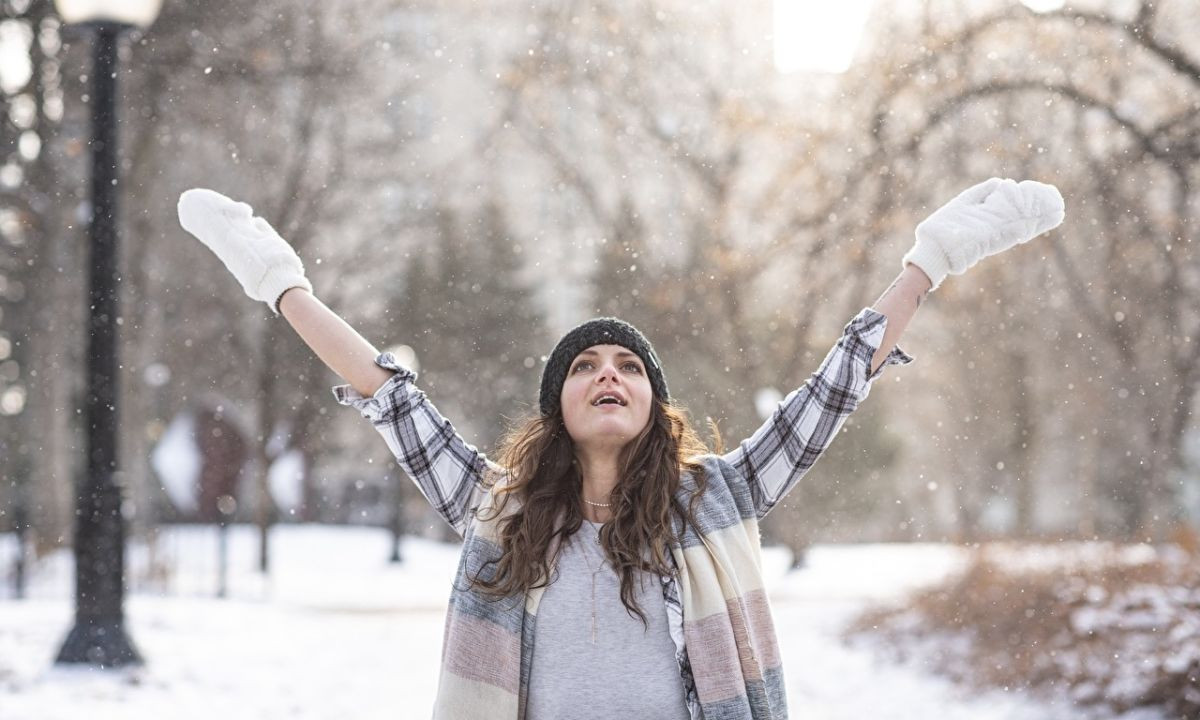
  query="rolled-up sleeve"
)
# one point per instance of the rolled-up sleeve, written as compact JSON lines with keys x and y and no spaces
{"x":772,"y":461}
{"x":448,"y":471}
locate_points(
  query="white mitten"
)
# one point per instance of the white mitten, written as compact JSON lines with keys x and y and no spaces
{"x":983,"y":220}
{"x":264,"y":264}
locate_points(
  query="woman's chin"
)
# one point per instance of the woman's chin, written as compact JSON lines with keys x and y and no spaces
{"x":609,"y":434}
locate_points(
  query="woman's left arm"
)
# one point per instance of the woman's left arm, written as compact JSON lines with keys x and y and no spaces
{"x":899,"y":303}
{"x":983,"y":220}
{"x":768,"y":464}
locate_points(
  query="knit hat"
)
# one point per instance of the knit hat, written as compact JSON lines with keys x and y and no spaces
{"x":598,"y":331}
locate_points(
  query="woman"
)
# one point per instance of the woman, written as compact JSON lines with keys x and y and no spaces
{"x":610,"y":565}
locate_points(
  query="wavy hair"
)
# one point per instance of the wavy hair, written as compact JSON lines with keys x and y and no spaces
{"x":544,"y":476}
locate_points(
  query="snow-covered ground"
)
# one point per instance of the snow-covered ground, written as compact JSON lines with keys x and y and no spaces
{"x":338,"y":632}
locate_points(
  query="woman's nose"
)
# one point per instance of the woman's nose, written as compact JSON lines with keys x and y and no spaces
{"x":607,"y":372}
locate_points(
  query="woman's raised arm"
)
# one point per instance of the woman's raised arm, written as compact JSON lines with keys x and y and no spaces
{"x":983,"y":220}
{"x":448,"y":471}
{"x":333,"y":340}
{"x":899,"y":303}
{"x":268,"y":269}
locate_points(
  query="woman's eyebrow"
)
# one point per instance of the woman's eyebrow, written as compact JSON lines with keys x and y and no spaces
{"x":621,"y":353}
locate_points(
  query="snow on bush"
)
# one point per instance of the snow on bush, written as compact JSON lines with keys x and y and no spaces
{"x":1113,"y":627}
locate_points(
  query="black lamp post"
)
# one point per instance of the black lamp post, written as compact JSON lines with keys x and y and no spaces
{"x":99,"y":637}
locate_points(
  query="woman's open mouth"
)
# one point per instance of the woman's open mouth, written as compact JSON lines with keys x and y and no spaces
{"x":608,"y":397}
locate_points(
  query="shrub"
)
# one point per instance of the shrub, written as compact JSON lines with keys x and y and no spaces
{"x":1113,"y":627}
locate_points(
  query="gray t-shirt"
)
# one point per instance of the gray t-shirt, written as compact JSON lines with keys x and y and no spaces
{"x":630,"y":672}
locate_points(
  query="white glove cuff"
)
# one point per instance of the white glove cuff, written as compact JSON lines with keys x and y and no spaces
{"x":276,"y":282}
{"x":931,"y":259}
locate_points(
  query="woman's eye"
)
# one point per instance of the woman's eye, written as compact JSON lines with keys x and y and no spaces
{"x":581,"y":365}
{"x":635,"y":366}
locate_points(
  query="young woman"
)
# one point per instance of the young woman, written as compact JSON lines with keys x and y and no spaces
{"x":610,"y":565}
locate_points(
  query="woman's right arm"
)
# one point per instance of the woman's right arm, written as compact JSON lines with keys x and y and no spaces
{"x":333,"y":340}
{"x":448,"y":471}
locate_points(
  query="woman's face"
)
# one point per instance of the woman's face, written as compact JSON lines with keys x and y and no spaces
{"x":606,"y":397}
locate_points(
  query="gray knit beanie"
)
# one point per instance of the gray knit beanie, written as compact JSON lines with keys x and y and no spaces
{"x":598,"y":331}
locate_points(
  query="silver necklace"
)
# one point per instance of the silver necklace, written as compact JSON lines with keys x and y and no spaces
{"x":584,"y":551}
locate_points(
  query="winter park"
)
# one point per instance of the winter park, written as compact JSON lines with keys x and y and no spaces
{"x":609,"y":359}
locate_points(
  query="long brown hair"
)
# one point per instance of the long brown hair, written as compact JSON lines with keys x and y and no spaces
{"x":544,"y":475}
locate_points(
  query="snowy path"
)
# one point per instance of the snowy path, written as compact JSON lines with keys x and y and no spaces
{"x":341,"y":634}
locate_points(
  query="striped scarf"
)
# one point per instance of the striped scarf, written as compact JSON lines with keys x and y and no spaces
{"x":488,"y":642}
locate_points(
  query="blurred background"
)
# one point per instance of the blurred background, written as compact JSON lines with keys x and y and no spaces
{"x":465,"y":181}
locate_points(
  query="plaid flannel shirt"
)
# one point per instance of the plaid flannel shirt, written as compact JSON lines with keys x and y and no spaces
{"x":451,"y":473}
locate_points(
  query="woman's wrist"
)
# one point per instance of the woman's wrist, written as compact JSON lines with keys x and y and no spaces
{"x":920,"y":278}
{"x":290,"y":297}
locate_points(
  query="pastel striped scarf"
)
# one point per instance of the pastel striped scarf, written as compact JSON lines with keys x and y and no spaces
{"x":730,"y":636}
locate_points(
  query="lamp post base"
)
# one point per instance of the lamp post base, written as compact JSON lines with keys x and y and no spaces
{"x":99,"y":644}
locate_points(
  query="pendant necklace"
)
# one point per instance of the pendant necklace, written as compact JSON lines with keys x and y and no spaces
{"x":584,"y":550}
